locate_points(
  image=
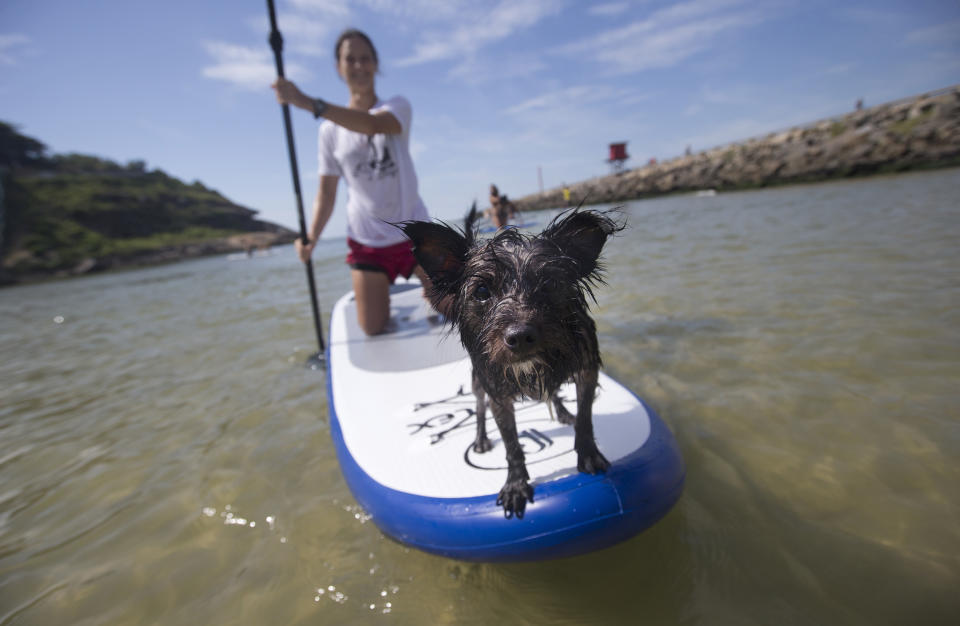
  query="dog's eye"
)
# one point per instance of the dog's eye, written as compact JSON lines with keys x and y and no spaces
{"x":481,"y":293}
{"x":552,"y":287}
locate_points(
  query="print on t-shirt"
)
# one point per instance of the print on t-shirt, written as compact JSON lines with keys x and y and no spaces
{"x":376,"y":166}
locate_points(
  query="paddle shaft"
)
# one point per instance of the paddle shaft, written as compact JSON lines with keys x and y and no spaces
{"x":276,"y":42}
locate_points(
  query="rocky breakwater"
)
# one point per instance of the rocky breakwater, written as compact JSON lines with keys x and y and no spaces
{"x":918,"y":132}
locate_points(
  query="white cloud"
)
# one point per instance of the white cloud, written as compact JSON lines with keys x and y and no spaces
{"x":634,"y":98}
{"x":307,"y":35}
{"x":666,"y":38}
{"x":578,"y":100}
{"x":245,"y":67}
{"x":330,"y":7}
{"x":476,"y":31}
{"x":561,"y":97}
{"x":421,"y":10}
{"x":839,"y":68}
{"x":608,"y":10}
{"x":947,"y":33}
{"x":10,"y":45}
{"x":475,"y":71}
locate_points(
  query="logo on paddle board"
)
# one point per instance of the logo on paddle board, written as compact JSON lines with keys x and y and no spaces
{"x":453,"y":420}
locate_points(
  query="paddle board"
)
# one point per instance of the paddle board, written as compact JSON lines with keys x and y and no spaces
{"x":402,"y":418}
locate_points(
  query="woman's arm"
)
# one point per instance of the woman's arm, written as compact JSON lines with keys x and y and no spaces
{"x":322,"y":209}
{"x":383,"y":122}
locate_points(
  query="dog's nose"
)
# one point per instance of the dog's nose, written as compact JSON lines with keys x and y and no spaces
{"x":521,"y":338}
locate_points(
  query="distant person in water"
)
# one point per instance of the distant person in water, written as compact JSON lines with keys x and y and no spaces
{"x":501,"y":210}
{"x":367,"y":143}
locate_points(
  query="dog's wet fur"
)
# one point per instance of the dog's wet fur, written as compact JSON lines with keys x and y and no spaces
{"x":520,"y":304}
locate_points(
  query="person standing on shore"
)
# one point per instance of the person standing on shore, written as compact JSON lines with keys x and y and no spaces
{"x":367,"y":143}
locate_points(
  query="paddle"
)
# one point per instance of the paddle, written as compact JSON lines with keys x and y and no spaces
{"x":276,"y":42}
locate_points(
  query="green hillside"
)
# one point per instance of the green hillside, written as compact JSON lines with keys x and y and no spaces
{"x":73,"y":213}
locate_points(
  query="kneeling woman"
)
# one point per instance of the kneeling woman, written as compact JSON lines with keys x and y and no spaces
{"x":368,"y":144}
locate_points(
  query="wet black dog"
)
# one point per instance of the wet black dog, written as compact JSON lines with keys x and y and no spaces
{"x":520,"y":304}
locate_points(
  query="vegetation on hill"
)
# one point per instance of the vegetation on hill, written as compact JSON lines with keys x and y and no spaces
{"x":75,"y":212}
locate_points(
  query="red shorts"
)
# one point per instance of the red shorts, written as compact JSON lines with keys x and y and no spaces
{"x":395,"y":260}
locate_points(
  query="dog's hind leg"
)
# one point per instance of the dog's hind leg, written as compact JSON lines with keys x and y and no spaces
{"x":481,"y":443}
{"x":589,"y":458}
{"x":516,"y":491}
{"x":563,"y":415}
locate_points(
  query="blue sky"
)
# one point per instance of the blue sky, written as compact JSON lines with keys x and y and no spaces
{"x":500,"y":89}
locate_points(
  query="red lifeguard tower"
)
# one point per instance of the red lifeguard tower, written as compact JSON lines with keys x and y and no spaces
{"x":618,"y":155}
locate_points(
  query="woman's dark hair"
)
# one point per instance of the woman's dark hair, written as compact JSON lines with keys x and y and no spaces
{"x":348,"y":34}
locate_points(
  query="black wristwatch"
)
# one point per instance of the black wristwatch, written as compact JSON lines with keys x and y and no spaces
{"x":319,"y":106}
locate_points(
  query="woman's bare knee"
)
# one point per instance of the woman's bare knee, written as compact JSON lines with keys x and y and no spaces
{"x":372,"y":325}
{"x":372,"y":293}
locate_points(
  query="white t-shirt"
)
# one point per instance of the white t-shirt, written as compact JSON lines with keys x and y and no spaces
{"x":378,"y":169}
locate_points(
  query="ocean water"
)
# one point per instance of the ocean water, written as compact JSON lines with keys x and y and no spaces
{"x":165,"y":456}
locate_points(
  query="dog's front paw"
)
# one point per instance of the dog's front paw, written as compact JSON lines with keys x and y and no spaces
{"x":514,"y":496}
{"x":592,"y":462}
{"x":482,"y":444}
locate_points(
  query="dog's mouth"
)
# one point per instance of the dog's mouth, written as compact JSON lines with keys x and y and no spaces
{"x":527,"y":366}
{"x":527,"y":371}
{"x":529,"y":376}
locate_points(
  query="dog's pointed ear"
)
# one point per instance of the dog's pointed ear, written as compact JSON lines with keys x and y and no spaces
{"x":440,"y":250}
{"x":581,"y":236}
